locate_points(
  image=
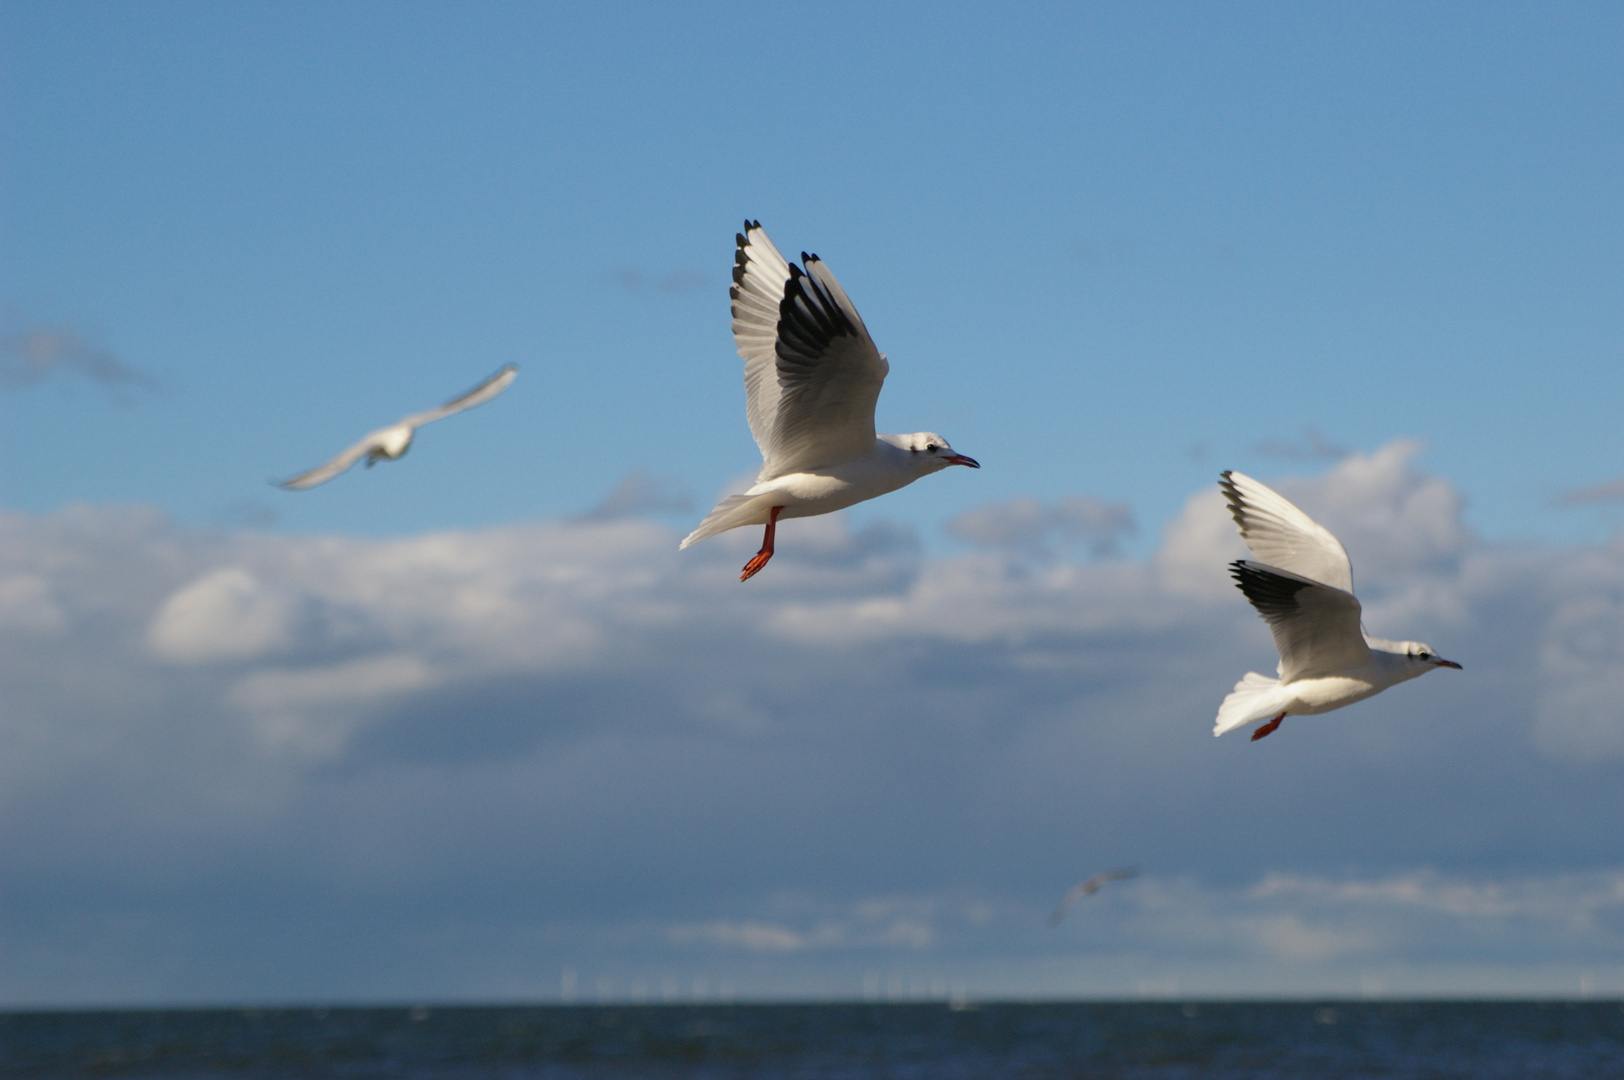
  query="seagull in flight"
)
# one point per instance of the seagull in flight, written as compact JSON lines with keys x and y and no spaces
{"x":811,"y":377}
{"x":1302,"y":584}
{"x":1089,"y":888}
{"x":389,"y":443}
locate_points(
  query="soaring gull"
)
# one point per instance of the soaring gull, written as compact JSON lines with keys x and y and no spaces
{"x":1089,"y":888}
{"x":1302,"y":584}
{"x":392,"y":441}
{"x":811,"y":376}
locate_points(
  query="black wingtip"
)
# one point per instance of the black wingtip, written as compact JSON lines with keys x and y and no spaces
{"x":1270,"y":590}
{"x":1248,"y":579}
{"x":1232,"y":498}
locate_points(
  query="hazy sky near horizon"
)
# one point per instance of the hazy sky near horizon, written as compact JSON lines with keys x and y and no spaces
{"x":461,"y":723}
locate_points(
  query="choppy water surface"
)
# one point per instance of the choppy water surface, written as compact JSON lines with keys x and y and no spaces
{"x":851,"y":1042}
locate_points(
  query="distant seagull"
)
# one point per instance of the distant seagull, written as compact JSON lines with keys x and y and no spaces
{"x":1303,"y":588}
{"x":811,"y":376}
{"x":1089,"y":888}
{"x":392,"y":441}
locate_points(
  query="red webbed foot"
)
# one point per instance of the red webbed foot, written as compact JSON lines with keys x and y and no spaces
{"x":753,"y":567}
{"x":1267,"y":728}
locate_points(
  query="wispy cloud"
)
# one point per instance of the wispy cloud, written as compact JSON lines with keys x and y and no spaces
{"x":1310,"y":446}
{"x":679,"y":281}
{"x":640,"y":493}
{"x":1608,"y":492}
{"x":32,"y":354}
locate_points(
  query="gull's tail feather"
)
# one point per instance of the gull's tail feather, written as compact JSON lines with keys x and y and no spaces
{"x":731,"y":513}
{"x":1256,"y":697}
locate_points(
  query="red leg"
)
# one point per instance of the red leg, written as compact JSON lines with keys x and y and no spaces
{"x":1267,"y":728}
{"x":753,"y":567}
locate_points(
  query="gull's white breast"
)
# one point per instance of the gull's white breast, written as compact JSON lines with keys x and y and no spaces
{"x":822,"y":491}
{"x":1321,"y":695}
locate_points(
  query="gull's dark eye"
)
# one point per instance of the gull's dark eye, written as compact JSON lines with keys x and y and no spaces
{"x":1424,"y":655}
{"x":933,"y":448}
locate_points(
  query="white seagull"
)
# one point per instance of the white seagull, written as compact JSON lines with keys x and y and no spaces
{"x":811,"y":376}
{"x":1302,"y":585}
{"x":1089,"y":888}
{"x":392,"y":441}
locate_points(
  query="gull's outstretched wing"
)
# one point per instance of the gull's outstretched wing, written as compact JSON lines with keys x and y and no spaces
{"x":1089,"y":888}
{"x":479,"y":395}
{"x":759,"y":273}
{"x":812,"y":386}
{"x":1281,"y":535}
{"x":323,"y":473}
{"x":1315,"y":627}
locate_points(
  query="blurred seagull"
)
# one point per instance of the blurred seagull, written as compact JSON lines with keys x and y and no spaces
{"x":811,"y":376}
{"x":392,"y":441}
{"x":1089,"y":888}
{"x":1302,"y":585}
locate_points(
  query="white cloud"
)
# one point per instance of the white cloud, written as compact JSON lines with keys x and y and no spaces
{"x":757,"y":937}
{"x":224,"y":615}
{"x":574,"y":724}
{"x":876,"y":922}
{"x":1026,"y":526}
{"x":1580,"y":714}
{"x":28,"y":606}
{"x":1288,"y":937}
{"x":1197,"y":548}
{"x":1562,"y":901}
{"x":316,"y":711}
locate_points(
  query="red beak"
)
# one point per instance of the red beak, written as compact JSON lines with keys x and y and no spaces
{"x":960,"y":459}
{"x":1450,"y":663}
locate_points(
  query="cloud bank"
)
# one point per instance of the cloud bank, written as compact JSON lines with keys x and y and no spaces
{"x":246,"y":766}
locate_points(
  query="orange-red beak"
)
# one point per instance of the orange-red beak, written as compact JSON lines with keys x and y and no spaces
{"x":960,"y":459}
{"x":1450,"y":663}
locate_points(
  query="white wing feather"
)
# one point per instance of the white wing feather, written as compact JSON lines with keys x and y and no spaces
{"x":323,"y":473}
{"x":759,"y":273}
{"x":810,"y":400}
{"x":1281,"y":535}
{"x":1315,"y":626}
{"x":479,"y":395}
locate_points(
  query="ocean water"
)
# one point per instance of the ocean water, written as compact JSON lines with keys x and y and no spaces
{"x":1212,"y":1041}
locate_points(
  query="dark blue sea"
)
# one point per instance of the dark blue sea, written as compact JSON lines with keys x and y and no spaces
{"x":1321,"y":1040}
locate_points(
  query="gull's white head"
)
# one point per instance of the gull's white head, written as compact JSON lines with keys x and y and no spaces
{"x":928,"y":452}
{"x":1420,"y":659}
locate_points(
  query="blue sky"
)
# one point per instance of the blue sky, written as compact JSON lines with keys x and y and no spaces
{"x":1109,"y":250}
